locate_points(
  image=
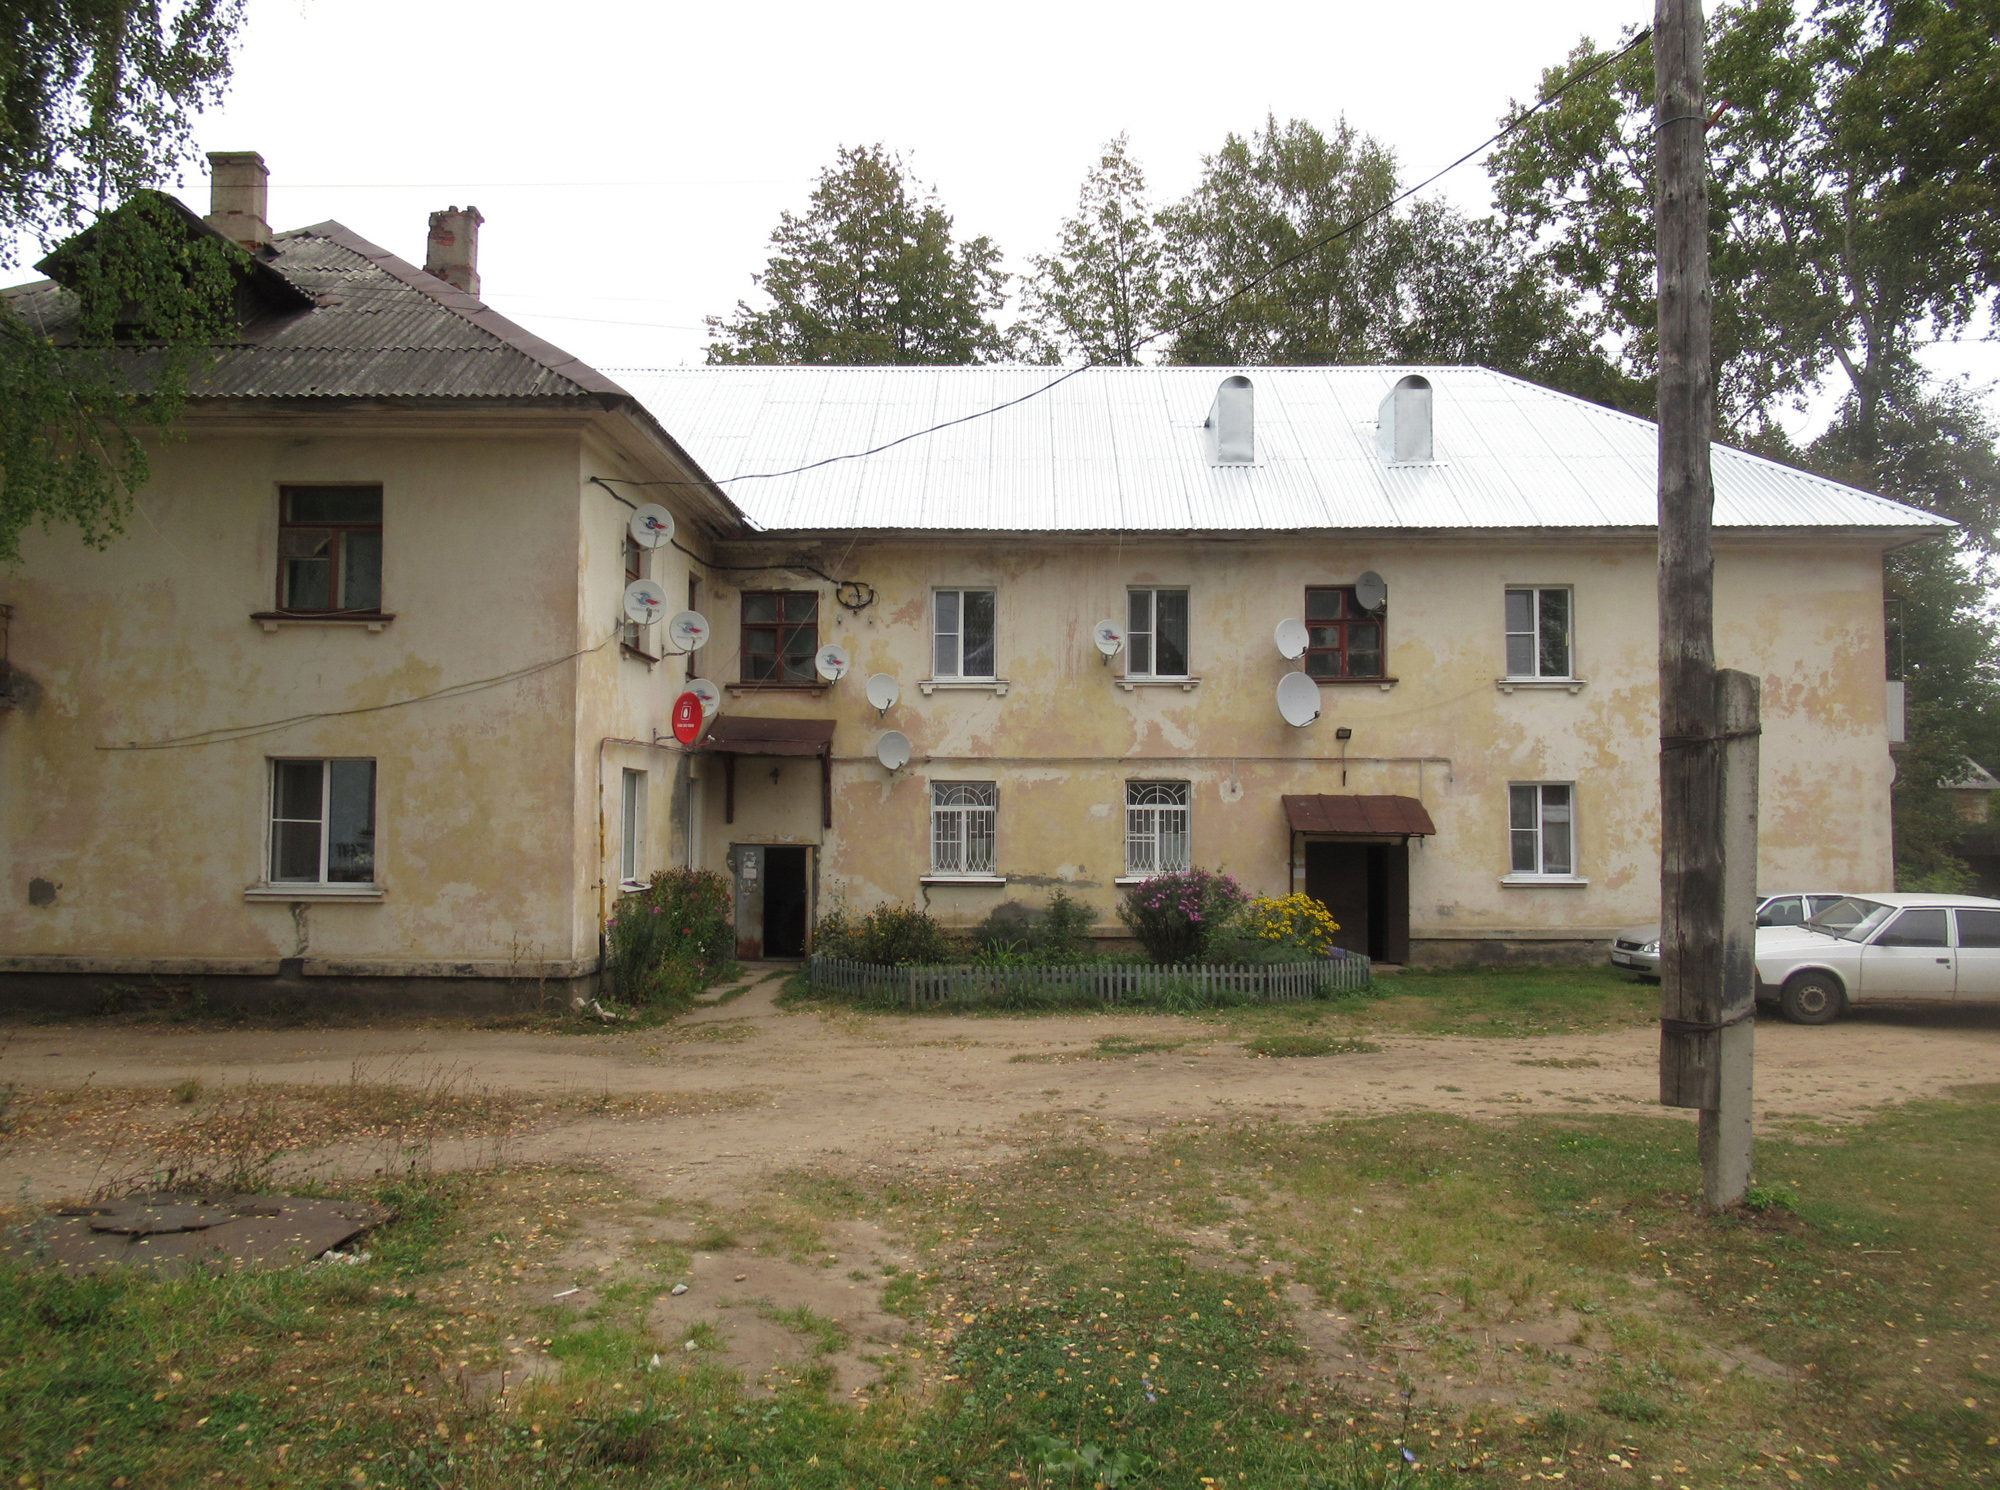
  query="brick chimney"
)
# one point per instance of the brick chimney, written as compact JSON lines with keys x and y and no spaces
{"x":237,"y":193}
{"x":452,"y":251}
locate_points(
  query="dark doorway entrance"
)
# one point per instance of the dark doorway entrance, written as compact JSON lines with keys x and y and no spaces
{"x":784,"y":902}
{"x":1366,"y":888}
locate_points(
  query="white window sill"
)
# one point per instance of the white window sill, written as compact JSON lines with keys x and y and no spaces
{"x":963,"y":879}
{"x":1140,"y":879}
{"x":363,"y":893}
{"x":1536,"y":685}
{"x":626,"y":887}
{"x":270,"y":621}
{"x":995,"y":686}
{"x":1186,"y":685}
{"x":1542,"y":881}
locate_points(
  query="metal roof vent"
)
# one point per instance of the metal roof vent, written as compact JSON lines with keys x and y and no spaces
{"x":1231,"y":424}
{"x":1403,"y":423}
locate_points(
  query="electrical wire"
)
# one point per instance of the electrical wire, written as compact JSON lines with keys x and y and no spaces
{"x":228,"y":734}
{"x":1209,"y":309}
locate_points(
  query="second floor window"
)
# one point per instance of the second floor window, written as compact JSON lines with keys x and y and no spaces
{"x":1156,"y":634}
{"x":964,"y":817}
{"x":1538,"y":633}
{"x":635,"y":570}
{"x":1342,"y":639}
{"x":780,"y":636}
{"x":962,"y":643}
{"x":330,"y":549}
{"x":1156,"y":826}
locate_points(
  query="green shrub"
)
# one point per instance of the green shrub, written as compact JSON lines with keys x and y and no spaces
{"x":1177,"y":917}
{"x":889,"y":933}
{"x":673,"y":938}
{"x":1014,"y":935}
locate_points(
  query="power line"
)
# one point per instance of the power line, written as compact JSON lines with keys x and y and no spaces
{"x":1256,"y":280}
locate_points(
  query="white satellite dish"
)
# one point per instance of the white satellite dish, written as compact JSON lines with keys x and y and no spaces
{"x":1371,"y":593}
{"x":709,"y":694}
{"x":1109,"y":636}
{"x":832,"y":662}
{"x":688,"y":631}
{"x":883,"y":691}
{"x":1291,"y":638}
{"x":652,"y":526}
{"x":645,"y":602}
{"x":893,"y":750}
{"x":1298,"y":699}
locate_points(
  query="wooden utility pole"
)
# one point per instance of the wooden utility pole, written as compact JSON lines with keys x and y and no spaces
{"x":1708,"y":720}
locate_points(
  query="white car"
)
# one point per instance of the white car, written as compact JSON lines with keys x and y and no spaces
{"x":1637,"y":948}
{"x":1895,"y":946}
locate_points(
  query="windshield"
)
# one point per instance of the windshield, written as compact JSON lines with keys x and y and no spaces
{"x":1851,"y":919}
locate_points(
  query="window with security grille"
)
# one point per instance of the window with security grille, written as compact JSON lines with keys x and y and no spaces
{"x":322,"y":822}
{"x":1538,"y":633}
{"x":780,"y":636}
{"x":962,"y":636}
{"x":964,"y":819}
{"x":1156,"y":826}
{"x":1156,"y":634}
{"x":1541,"y":827}
{"x":330,"y":550}
{"x":1342,"y":639}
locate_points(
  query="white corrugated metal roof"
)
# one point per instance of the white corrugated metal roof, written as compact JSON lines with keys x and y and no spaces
{"x":1122,"y":448}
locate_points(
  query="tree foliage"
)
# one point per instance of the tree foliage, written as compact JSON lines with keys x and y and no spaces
{"x":1845,"y":223}
{"x":97,"y":102}
{"x":1101,"y":296}
{"x":869,"y":274}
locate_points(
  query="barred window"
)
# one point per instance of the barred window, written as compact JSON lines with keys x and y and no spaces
{"x":1156,"y":826}
{"x":964,"y":818}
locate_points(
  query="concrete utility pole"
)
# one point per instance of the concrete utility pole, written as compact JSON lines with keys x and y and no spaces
{"x":1708,"y":719}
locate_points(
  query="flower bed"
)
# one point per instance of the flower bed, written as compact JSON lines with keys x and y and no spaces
{"x":1169,"y":986}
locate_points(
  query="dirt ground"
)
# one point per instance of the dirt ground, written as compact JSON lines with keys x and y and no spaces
{"x":709,"y":1106}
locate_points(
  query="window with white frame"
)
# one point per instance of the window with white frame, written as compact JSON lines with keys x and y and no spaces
{"x":1538,"y":632}
{"x":1541,"y":823}
{"x":964,"y":818}
{"x":632,"y":838}
{"x":322,"y":822}
{"x":1156,"y":826}
{"x":1156,"y":634}
{"x":962,"y":636}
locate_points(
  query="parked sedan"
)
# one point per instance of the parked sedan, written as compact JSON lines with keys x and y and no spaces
{"x":1637,"y":948}
{"x":1901,"y":946}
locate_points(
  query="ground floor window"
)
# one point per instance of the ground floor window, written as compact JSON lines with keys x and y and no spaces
{"x":1156,"y":826}
{"x":632,"y":841}
{"x":323,"y":822}
{"x":1541,"y":827}
{"x":964,"y":820}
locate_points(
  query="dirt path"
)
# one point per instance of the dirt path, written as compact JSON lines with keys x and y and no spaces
{"x":767,"y":1089}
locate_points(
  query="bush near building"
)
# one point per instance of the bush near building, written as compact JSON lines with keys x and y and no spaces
{"x":671,"y":939}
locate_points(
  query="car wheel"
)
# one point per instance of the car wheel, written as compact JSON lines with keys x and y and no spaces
{"x":1812,"y":998}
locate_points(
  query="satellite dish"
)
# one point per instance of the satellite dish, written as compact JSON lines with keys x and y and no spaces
{"x":1291,"y":638}
{"x":882,"y":692}
{"x":709,"y":694}
{"x":832,"y":662}
{"x":893,"y":750}
{"x":1298,"y":699}
{"x":1109,"y":636}
{"x":645,"y":602}
{"x":652,"y":526}
{"x":1371,"y":593}
{"x":688,"y":631}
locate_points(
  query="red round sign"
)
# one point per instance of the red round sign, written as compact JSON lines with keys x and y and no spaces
{"x":687,"y":718}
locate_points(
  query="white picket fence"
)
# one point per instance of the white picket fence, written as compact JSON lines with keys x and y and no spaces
{"x":1109,"y":983}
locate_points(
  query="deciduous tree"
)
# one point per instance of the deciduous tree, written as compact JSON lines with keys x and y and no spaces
{"x":1101,"y":296}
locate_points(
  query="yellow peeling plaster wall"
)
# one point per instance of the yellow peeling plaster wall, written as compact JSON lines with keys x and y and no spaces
{"x":151,"y":639}
{"x":1803,"y":612}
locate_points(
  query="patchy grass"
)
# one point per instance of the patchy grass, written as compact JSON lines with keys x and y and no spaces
{"x":1106,"y":1048}
{"x":1309,"y":1044}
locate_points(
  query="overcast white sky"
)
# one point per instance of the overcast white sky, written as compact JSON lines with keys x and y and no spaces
{"x":631,"y":159}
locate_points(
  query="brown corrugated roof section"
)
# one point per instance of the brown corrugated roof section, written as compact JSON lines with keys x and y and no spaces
{"x":732,"y":735}
{"x":1359,"y":814}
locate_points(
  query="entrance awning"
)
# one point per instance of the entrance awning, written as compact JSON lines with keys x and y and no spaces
{"x":732,"y":735}
{"x":1400,"y":816}
{"x":739,"y":735}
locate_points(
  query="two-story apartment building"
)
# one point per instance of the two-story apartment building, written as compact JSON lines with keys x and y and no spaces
{"x":353,"y":708}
